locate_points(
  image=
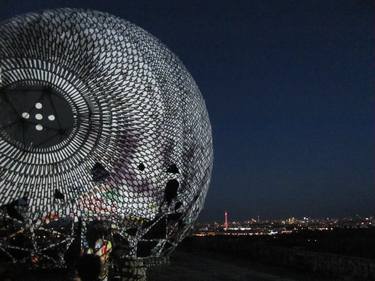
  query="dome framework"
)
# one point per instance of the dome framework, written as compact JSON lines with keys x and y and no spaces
{"x":103,"y":132}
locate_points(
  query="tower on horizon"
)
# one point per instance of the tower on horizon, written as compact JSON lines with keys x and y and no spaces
{"x":225,"y":220}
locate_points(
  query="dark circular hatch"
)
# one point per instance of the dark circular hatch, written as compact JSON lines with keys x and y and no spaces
{"x":34,"y":116}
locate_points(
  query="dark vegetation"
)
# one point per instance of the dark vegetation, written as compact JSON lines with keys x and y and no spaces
{"x":343,"y":254}
{"x":347,"y":242}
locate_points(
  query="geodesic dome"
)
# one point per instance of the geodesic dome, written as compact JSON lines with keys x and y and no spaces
{"x":99,"y":123}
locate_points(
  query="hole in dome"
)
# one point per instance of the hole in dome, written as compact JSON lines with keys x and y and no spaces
{"x":13,"y":213}
{"x":51,"y":117}
{"x":141,"y":167}
{"x":58,"y":195}
{"x":173,"y":169}
{"x":38,"y":116}
{"x":12,"y":208}
{"x":177,"y":206}
{"x":99,"y":173}
{"x":171,"y":190}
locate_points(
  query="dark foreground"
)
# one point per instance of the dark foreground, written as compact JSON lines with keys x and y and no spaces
{"x":344,"y":255}
{"x":203,"y":266}
{"x":197,"y":266}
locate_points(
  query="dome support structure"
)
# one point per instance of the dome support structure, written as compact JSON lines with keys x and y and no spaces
{"x":105,"y":144}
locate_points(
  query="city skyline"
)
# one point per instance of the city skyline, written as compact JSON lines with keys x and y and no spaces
{"x":226,"y":218}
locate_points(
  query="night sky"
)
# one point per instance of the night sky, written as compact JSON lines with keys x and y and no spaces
{"x":289,"y":88}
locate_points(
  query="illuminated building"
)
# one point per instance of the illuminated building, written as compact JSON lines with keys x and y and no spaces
{"x":100,"y":124}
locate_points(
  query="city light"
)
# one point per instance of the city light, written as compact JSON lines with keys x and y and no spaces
{"x":284,"y":226}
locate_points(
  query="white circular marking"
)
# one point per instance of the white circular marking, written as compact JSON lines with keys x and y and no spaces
{"x":38,"y":116}
{"x":39,"y":127}
{"x":51,"y":117}
{"x":38,"y":105}
{"x":25,"y":115}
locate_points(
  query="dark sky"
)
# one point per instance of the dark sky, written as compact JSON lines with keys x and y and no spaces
{"x":289,"y":88}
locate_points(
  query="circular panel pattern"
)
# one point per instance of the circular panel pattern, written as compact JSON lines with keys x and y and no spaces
{"x":24,"y":129}
{"x":100,"y":124}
